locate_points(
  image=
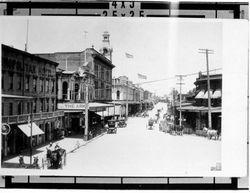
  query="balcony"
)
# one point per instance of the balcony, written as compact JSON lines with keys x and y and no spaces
{"x":17,"y":119}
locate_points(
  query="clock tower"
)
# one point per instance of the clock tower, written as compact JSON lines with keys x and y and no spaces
{"x":106,"y":49}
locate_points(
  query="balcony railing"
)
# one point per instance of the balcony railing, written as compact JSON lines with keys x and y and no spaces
{"x":15,"y":119}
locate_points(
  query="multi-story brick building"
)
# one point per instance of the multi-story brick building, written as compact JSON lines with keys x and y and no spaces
{"x":28,"y":88}
{"x":76,"y":71}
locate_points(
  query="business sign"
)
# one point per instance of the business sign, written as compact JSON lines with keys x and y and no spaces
{"x":71,"y":106}
{"x":5,"y":129}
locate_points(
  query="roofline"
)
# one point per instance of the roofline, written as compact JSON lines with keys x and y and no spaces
{"x":29,"y":54}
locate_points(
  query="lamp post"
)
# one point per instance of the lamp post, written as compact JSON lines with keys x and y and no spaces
{"x":85,"y":79}
{"x":30,"y":120}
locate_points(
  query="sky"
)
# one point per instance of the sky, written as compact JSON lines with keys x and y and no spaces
{"x":161,"y":47}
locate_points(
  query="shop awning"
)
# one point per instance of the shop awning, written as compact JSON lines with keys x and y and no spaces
{"x":200,"y":95}
{"x":205,"y":96}
{"x":26,"y":129}
{"x":15,"y":96}
{"x":216,"y":94}
{"x":200,"y":109}
{"x":111,"y":111}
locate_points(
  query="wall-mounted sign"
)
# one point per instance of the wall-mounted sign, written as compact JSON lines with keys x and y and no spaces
{"x":71,"y":106}
{"x":5,"y":129}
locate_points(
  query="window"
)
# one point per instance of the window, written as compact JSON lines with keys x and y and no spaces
{"x":47,"y":85}
{"x":3,"y":80}
{"x":34,"y":106}
{"x":11,"y":109}
{"x":19,"y":82}
{"x":2,"y":109}
{"x":96,"y":90}
{"x":118,"y":95}
{"x":34,"y":84}
{"x":27,"y":83}
{"x":11,"y":80}
{"x":41,"y":85}
{"x":28,"y":107}
{"x":52,"y":104}
{"x":47,"y":101}
{"x":19,"y":108}
{"x":41,"y":105}
{"x":102,"y":90}
{"x":107,"y":75}
{"x":52,"y":86}
{"x":102,"y":73}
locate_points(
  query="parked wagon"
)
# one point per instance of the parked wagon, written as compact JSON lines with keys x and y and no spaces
{"x":55,"y":159}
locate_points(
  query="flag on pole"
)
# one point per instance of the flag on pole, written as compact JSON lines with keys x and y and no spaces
{"x":129,"y":55}
{"x":141,"y":76}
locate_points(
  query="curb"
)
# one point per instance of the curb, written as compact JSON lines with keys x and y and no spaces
{"x":83,"y":144}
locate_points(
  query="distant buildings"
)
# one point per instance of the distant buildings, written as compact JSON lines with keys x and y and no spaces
{"x":124,"y":91}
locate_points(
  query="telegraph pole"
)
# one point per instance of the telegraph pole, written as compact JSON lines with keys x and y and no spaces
{"x":86,"y":112}
{"x":180,"y":83}
{"x":127,"y":101}
{"x":207,"y":51}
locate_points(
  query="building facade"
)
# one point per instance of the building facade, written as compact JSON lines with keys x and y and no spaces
{"x":79,"y":73}
{"x":28,"y":95}
{"x":196,"y":113}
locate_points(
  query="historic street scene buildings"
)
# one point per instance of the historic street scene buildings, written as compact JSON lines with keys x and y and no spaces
{"x":94,"y":98}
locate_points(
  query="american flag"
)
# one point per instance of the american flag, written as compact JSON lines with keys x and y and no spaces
{"x":141,"y":76}
{"x":129,"y":55}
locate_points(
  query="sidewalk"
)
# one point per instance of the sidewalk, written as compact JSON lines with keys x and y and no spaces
{"x":70,"y":144}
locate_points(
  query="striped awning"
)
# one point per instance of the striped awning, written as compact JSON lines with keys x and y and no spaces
{"x":216,"y":94}
{"x":205,"y":96}
{"x":200,"y":94}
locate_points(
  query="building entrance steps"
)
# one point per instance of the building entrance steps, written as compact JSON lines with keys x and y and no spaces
{"x":70,"y":144}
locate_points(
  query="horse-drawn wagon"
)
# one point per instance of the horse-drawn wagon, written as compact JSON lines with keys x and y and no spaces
{"x":55,"y":159}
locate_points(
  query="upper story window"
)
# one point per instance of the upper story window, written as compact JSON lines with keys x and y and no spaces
{"x":52,"y":86}
{"x":34,"y":84}
{"x":27,"y":83}
{"x":118,"y":95}
{"x":102,"y":73}
{"x":11,"y":80}
{"x":10,"y":108}
{"x":47,"y":86}
{"x":19,"y":81}
{"x":41,"y":105}
{"x":19,"y":108}
{"x":41,"y":85}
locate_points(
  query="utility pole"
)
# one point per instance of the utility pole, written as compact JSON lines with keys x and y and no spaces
{"x":27,"y":37}
{"x":127,"y":101}
{"x":207,"y":51}
{"x":86,"y":111}
{"x":180,"y":83}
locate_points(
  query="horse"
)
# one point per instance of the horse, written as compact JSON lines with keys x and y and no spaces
{"x":211,"y":133}
{"x":179,"y":130}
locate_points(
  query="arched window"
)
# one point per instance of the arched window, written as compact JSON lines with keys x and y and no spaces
{"x":65,"y":90}
{"x":118,"y":95}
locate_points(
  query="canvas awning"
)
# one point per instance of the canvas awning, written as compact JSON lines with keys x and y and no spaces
{"x":216,"y":94}
{"x":205,"y":96}
{"x":200,"y":109}
{"x":200,"y":95}
{"x":111,"y":111}
{"x":26,"y":129}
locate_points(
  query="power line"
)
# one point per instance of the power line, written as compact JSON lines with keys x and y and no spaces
{"x":164,"y":79}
